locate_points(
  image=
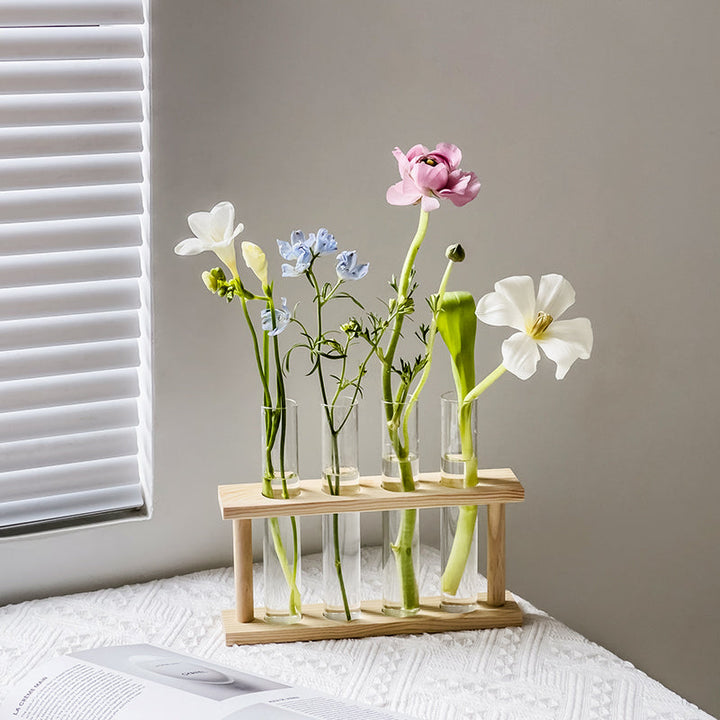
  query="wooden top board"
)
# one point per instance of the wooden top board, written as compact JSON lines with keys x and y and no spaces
{"x":246,"y":501}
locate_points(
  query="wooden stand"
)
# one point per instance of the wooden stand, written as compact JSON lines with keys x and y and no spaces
{"x":241,"y":503}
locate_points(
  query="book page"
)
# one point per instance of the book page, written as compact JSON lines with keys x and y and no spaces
{"x":146,"y":682}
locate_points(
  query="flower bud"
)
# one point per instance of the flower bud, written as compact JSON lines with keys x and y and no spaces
{"x":456,"y":253}
{"x":255,"y":259}
{"x":209,"y":281}
{"x":214,"y":279}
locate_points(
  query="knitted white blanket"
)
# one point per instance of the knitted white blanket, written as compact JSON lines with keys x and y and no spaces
{"x":541,"y":671}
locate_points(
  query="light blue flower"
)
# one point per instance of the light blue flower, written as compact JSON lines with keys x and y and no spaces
{"x":297,"y":249}
{"x":347,"y":266}
{"x":282,"y":318}
{"x":322,"y":243}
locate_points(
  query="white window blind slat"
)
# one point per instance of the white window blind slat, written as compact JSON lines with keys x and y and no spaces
{"x":70,"y":330}
{"x":36,"y":393}
{"x":67,"y":203}
{"x":70,"y":140}
{"x":51,"y":300}
{"x":49,"y":422}
{"x":68,"y":359}
{"x":80,"y":43}
{"x":24,"y":485}
{"x":71,"y":505}
{"x":75,"y":388}
{"x":70,"y":109}
{"x":70,"y":12}
{"x":70,"y":267}
{"x":61,"y":236}
{"x":74,"y":171}
{"x":62,"y":450}
{"x":56,"y":76}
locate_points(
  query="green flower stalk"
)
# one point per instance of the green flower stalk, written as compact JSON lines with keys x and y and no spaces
{"x":215,"y":231}
{"x":534,"y":317}
{"x":457,"y":326}
{"x":328,"y":346}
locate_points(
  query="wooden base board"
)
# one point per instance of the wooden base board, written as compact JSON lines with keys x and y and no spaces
{"x":314,"y":626}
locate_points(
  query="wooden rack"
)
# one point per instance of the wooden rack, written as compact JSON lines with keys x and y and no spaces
{"x":245,"y":624}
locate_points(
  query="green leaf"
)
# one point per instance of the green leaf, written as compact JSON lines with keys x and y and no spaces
{"x":457,"y":324}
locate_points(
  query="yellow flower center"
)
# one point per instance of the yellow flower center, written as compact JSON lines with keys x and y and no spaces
{"x":541,"y":325}
{"x":429,"y":161}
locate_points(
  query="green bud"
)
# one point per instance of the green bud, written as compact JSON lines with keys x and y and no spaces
{"x":456,"y":253}
{"x":352,"y":328}
{"x":214,"y":280}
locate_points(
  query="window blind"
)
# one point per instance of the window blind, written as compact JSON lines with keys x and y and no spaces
{"x":74,"y":297}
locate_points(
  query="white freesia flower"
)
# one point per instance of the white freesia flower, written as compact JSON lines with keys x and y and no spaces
{"x":213,"y":231}
{"x":514,"y":304}
{"x":255,"y":259}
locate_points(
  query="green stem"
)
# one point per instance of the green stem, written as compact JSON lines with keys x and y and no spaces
{"x":460,"y":550}
{"x":335,"y":490}
{"x":467,"y":515}
{"x":484,"y":384}
{"x":404,"y":283}
{"x":281,"y":410}
{"x":335,"y":453}
{"x":429,"y":348}
{"x":290,"y":575}
{"x":402,"y":550}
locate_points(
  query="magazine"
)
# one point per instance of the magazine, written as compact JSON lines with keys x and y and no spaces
{"x":146,"y":682}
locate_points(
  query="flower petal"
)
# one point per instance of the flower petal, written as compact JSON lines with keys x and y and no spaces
{"x":416,"y":151}
{"x":223,"y":218}
{"x":191,"y":246}
{"x":555,"y":295}
{"x":430,"y":177}
{"x":285,"y":249}
{"x":494,"y":309}
{"x":403,"y":164}
{"x":450,"y":152}
{"x":520,"y":355}
{"x":226,"y":253}
{"x":429,"y":202}
{"x":565,"y":341}
{"x":201,"y":224}
{"x":519,"y":290}
{"x":397,"y":194}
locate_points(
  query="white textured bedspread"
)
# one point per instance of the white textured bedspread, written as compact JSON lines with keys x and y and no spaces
{"x":543,"y":670}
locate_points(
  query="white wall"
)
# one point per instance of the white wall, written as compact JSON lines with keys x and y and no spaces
{"x":594,"y":128}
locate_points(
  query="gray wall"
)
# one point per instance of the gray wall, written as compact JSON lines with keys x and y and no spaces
{"x":594,"y":129}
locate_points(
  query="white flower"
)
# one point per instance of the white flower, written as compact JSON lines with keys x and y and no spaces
{"x":514,"y":304}
{"x":213,"y":231}
{"x":255,"y":259}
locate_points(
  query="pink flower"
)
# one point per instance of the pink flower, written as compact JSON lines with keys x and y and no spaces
{"x":427,"y":176}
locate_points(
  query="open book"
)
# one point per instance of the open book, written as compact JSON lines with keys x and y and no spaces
{"x":145,"y":682}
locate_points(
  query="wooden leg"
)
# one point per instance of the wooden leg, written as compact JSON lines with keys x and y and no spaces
{"x":496,"y":554}
{"x":242,"y":555}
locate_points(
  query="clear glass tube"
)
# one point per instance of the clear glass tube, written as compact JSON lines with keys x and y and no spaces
{"x":341,"y":531}
{"x":462,"y":598}
{"x":458,"y":445}
{"x":400,"y":560}
{"x":279,"y":443}
{"x":281,"y":570}
{"x":340,"y":447}
{"x":401,"y":536}
{"x":341,"y":566}
{"x":400,"y":455}
{"x":460,"y":581}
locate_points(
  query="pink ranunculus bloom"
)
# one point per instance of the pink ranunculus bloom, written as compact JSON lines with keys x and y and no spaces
{"x":427,"y":176}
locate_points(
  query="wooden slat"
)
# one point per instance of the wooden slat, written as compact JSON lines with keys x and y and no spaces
{"x":496,"y":554}
{"x":246,"y":501}
{"x":372,"y":622}
{"x":243,"y":566}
